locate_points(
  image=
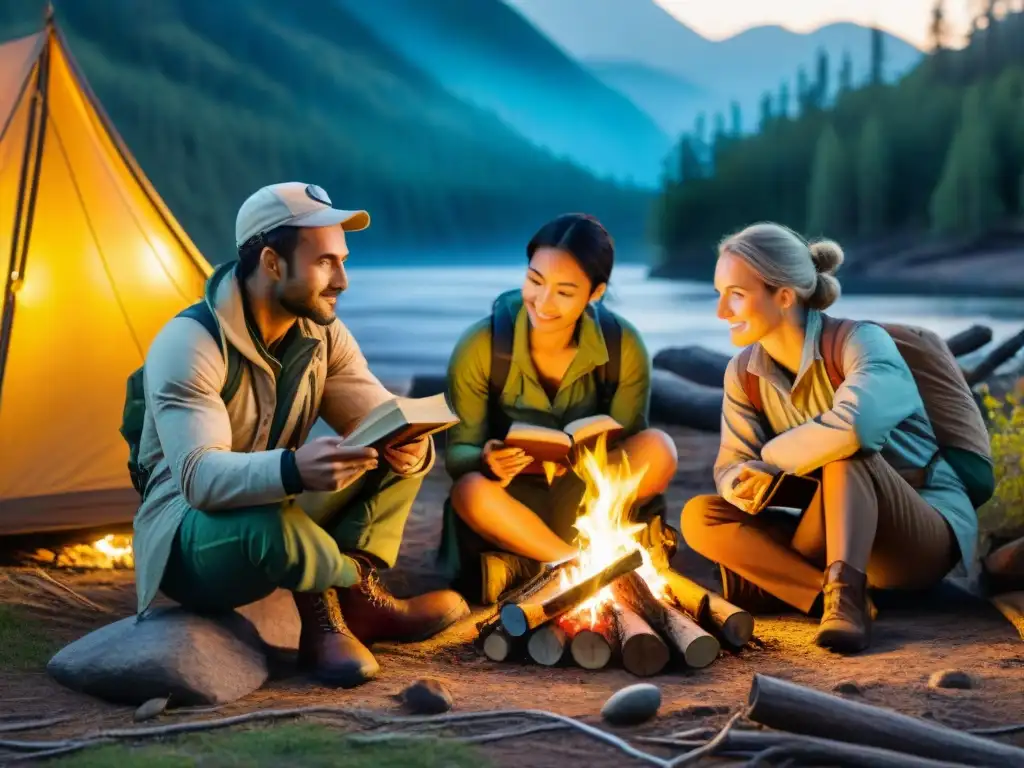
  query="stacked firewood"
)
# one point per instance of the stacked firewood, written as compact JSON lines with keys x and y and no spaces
{"x":641,"y":630}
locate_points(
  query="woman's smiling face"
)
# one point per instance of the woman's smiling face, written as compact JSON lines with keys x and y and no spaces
{"x":556,"y":290}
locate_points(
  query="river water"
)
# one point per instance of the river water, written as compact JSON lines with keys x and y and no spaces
{"x":407,"y":319}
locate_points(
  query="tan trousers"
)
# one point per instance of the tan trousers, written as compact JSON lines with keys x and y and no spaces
{"x":864,"y":514}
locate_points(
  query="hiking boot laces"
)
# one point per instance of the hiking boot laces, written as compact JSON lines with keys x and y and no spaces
{"x":328,"y":613}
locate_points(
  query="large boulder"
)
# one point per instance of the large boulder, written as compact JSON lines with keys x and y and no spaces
{"x":194,"y":659}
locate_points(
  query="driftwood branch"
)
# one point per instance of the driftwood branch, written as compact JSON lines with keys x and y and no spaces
{"x":995,"y":358}
{"x":549,"y":603}
{"x":787,"y":706}
{"x":695,"y":363}
{"x":969,"y":340}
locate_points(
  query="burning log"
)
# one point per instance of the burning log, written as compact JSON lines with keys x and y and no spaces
{"x":735,"y":625}
{"x":698,"y":648}
{"x":643,"y":651}
{"x":552,"y":601}
{"x":594,"y":643}
{"x":794,"y":708}
{"x":547,"y":645}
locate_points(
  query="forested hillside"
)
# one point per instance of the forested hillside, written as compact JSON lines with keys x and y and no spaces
{"x":487,"y":54}
{"x":940,"y":154}
{"x":218,"y":98}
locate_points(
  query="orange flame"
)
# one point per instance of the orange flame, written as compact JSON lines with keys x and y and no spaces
{"x":605,"y":532}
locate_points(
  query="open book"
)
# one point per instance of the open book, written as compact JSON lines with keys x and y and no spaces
{"x":546,"y":444}
{"x":402,"y":420}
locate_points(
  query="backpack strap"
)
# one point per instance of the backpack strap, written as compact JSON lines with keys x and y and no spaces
{"x":202,"y":314}
{"x":834,"y":335}
{"x":503,"y":327}
{"x":608,"y":374}
{"x":749,"y":381}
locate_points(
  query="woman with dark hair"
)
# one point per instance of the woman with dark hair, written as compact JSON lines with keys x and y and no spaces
{"x":501,"y":525}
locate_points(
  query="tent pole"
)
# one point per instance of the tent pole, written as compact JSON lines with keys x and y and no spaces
{"x":25,"y":209}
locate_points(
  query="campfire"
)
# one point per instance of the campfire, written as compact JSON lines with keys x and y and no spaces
{"x":110,"y":551}
{"x":611,"y":601}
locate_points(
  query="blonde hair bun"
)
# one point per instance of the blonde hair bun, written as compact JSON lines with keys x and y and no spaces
{"x":827,"y":256}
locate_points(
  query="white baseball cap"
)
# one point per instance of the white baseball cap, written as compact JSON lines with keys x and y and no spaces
{"x":295,"y":204}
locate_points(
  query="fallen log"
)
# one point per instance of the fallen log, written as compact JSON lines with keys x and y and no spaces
{"x":995,"y":358}
{"x":969,"y":340}
{"x":674,"y":400}
{"x":777,"y":744}
{"x":551,"y":601}
{"x":697,"y":647}
{"x":547,"y":644}
{"x":735,"y":625}
{"x":694,"y":363}
{"x":643,"y":651}
{"x":593,"y":644}
{"x":790,"y":707}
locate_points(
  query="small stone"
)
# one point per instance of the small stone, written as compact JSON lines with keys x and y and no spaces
{"x":150,"y":709}
{"x":427,"y":696}
{"x":950,"y":678}
{"x":848,"y":687}
{"x":632,"y":705}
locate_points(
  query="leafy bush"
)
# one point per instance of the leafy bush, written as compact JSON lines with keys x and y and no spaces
{"x":1003,"y":515}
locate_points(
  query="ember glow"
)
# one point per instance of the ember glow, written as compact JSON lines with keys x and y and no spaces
{"x":111,"y":551}
{"x":604,"y":532}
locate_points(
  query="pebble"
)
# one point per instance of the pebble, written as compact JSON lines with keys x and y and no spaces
{"x":427,"y":696}
{"x":150,"y":709}
{"x":848,"y":687}
{"x":950,"y":678}
{"x":632,"y":705}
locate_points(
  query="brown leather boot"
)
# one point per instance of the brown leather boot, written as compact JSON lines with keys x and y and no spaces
{"x":847,"y":614}
{"x":749,"y":596}
{"x":327,"y":647}
{"x":374,"y":614}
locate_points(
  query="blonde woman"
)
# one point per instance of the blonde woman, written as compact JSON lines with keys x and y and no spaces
{"x":890,"y":511}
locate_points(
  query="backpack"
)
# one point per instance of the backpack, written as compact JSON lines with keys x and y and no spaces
{"x":949,"y":403}
{"x":503,"y":323}
{"x":134,"y":414}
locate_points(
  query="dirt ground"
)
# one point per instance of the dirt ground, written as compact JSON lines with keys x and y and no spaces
{"x":911,"y":641}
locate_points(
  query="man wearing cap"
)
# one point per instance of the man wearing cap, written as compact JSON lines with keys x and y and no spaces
{"x":238,"y":501}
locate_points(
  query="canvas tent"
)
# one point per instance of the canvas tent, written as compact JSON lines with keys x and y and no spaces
{"x":92,"y":264}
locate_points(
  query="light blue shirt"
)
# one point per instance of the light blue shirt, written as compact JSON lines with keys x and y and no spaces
{"x":877,"y":408}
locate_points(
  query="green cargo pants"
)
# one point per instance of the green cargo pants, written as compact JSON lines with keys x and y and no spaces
{"x":223,"y":560}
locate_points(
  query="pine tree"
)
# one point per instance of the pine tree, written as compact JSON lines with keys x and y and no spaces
{"x":828,"y":195}
{"x":872,"y":178}
{"x":766,"y":111}
{"x":783,"y":106}
{"x":803,"y":91}
{"x":937,"y":31}
{"x":966,"y":199}
{"x":877,"y":56}
{"x":846,"y":73}
{"x":737,"y":120}
{"x":821,"y":82}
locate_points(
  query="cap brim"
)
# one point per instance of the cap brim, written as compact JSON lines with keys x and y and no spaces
{"x":351,"y":221}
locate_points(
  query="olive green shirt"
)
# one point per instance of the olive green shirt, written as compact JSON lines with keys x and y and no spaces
{"x":524,"y":398}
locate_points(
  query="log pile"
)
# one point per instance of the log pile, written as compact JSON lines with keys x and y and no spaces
{"x":638,"y":630}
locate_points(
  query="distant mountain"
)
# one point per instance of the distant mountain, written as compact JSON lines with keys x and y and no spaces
{"x":664,"y":96}
{"x":740,"y":68}
{"x":488,"y":54}
{"x":216,"y":99}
